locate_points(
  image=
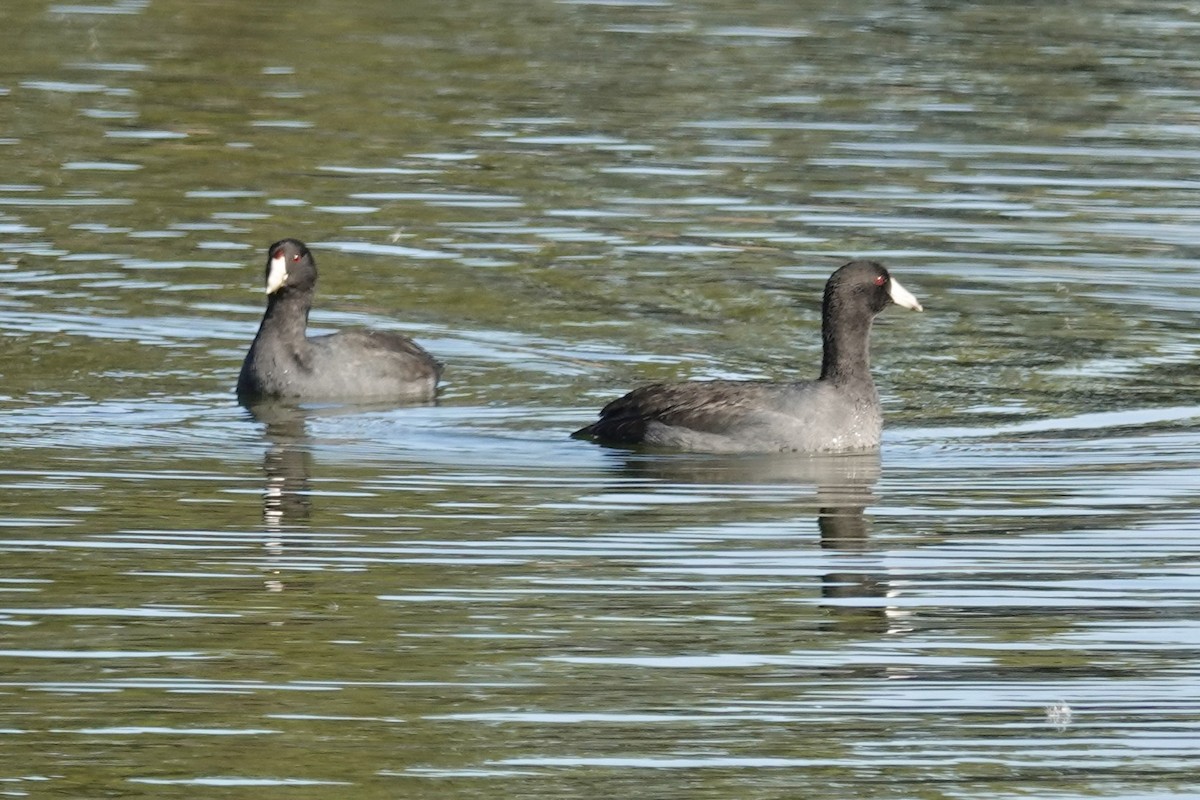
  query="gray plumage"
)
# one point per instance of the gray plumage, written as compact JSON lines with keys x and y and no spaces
{"x":837,"y":412}
{"x":351,"y":365}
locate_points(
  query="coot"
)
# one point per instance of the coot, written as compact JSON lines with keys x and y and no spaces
{"x":351,"y":365}
{"x":837,"y":412}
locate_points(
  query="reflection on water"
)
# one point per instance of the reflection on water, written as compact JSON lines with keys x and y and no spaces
{"x":842,"y":487}
{"x":847,"y":530}
{"x":287,"y":465}
{"x":563,"y":200}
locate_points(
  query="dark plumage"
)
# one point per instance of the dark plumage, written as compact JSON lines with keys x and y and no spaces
{"x":352,"y":365}
{"x":839,"y":411}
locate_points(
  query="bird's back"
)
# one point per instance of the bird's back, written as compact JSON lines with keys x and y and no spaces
{"x":357,"y":364}
{"x":742,"y":416}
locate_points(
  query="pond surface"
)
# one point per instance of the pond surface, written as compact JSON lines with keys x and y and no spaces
{"x":563,"y":200}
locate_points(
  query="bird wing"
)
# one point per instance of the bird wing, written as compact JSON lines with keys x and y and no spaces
{"x":706,"y":406}
{"x":384,"y":345}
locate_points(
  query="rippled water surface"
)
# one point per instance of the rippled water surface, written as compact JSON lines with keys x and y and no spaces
{"x":562,"y":200}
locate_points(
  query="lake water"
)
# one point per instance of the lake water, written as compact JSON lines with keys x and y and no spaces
{"x":564,"y":200}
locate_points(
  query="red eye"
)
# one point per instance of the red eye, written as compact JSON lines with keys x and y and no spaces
{"x":296,"y":257}
{"x":880,"y":280}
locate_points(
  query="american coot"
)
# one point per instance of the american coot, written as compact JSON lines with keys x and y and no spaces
{"x":351,"y":365}
{"x":837,"y":412}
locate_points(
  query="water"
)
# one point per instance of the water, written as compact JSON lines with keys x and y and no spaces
{"x":563,"y":200}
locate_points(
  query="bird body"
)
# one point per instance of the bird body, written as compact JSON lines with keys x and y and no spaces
{"x":743,"y":416}
{"x":837,"y":412}
{"x":284,"y":363}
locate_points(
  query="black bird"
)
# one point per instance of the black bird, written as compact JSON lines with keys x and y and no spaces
{"x":351,"y":365}
{"x":839,"y":411}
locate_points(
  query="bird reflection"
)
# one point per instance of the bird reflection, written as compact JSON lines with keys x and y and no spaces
{"x":844,"y":486}
{"x":846,"y":530}
{"x":287,"y":467}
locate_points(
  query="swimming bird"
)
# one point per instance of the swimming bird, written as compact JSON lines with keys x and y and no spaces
{"x":839,"y":411}
{"x":285,"y":363}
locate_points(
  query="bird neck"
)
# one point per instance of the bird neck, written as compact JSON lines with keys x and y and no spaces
{"x":847,"y":349}
{"x":287,"y":315}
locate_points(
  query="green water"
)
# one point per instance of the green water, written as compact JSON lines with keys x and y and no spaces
{"x":563,"y":200}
